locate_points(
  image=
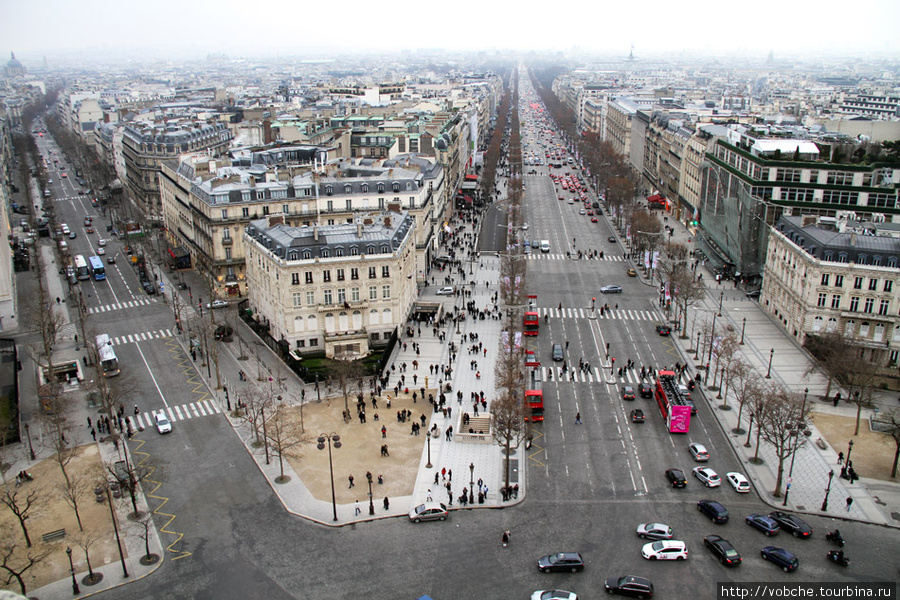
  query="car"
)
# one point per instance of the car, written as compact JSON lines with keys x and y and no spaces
{"x":637,"y":416}
{"x":723,"y":550}
{"x":594,"y":220}
{"x":663,"y":330}
{"x":148,"y":287}
{"x":556,"y":352}
{"x":446,"y":291}
{"x":582,"y":211}
{"x":665,"y":550}
{"x":676,"y":478}
{"x":714,"y":510}
{"x":223,"y":333}
{"x":72,"y":235}
{"x":101,"y":251}
{"x":88,"y":220}
{"x":753,"y":294}
{"x":645,"y":390}
{"x":632,"y":273}
{"x":561,"y":561}
{"x":792,"y":523}
{"x":611,"y":239}
{"x":627,"y":393}
{"x":764,"y":523}
{"x":654,"y":531}
{"x":781,"y":557}
{"x":429,"y":511}
{"x":217,"y":304}
{"x":111,"y":259}
{"x":738,"y":482}
{"x":553,"y":595}
{"x":698,"y":451}
{"x":706,"y":475}
{"x":630,"y":585}
{"x":163,"y":424}
{"x":89,"y":229}
{"x":63,"y":175}
{"x":101,"y":242}
{"x":611,"y":289}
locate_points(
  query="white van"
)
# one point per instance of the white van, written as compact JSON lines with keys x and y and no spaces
{"x":545,"y":245}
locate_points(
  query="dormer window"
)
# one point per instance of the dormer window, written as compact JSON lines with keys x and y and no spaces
{"x":365,"y":188}
{"x":354,"y":251}
{"x":385,"y":249}
{"x":307,"y":255}
{"x":380,"y":188}
{"x":347,"y":188}
{"x":395,"y":186}
{"x":329,"y":191}
{"x":326,"y":253}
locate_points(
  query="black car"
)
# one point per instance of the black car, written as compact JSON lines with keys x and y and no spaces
{"x":663,"y":330}
{"x":223,"y":333}
{"x":781,"y":557}
{"x":611,"y":239}
{"x":637,"y":416}
{"x":628,"y":393}
{"x":723,"y":550}
{"x":630,"y":585}
{"x":767,"y":525}
{"x":561,"y":561}
{"x":645,"y":390}
{"x":148,"y":287}
{"x":713,"y":510}
{"x":792,"y":523}
{"x":676,"y":477}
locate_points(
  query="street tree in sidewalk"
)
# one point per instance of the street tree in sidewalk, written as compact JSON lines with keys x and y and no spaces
{"x":685,"y":289}
{"x":284,"y":438}
{"x":73,"y":490}
{"x":621,"y":197}
{"x":829,"y":349}
{"x":347,"y":372}
{"x":45,"y":317}
{"x":646,"y":233}
{"x":21,"y":502}
{"x":55,"y":414}
{"x":892,"y":420}
{"x":254,"y":404}
{"x":727,"y":356}
{"x":746,"y":384}
{"x":87,"y":540}
{"x":144,"y":526}
{"x":16,"y":562}
{"x":135,"y":473}
{"x":782,"y":420}
{"x":508,"y":425}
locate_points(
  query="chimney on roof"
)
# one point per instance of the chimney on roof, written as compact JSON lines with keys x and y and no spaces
{"x":387,"y":221}
{"x":315,"y":233}
{"x":853,"y":237}
{"x":359,"y":229}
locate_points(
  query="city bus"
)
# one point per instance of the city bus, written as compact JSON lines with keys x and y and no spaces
{"x":97,"y":269}
{"x":109,"y":364}
{"x":81,"y":268}
{"x":672,"y":406}
{"x":531,"y":323}
{"x":534,"y":395}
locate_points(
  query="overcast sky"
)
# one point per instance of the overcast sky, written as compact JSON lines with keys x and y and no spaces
{"x":288,"y":27}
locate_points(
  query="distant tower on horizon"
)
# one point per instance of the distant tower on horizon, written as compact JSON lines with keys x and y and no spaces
{"x":771,"y":60}
{"x":631,"y":57}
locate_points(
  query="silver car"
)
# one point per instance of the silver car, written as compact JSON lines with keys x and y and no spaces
{"x":428,"y":511}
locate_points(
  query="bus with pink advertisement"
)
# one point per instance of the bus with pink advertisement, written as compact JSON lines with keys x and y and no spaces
{"x":673,"y":408}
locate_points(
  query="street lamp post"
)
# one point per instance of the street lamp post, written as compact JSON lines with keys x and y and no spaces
{"x":471,"y":483}
{"x":371,"y":505}
{"x":428,"y":465}
{"x":112,"y":514}
{"x":827,"y":491}
{"x":28,"y":435}
{"x":743,"y":327}
{"x":769,"y":371}
{"x":721,"y":296}
{"x":75,"y":588}
{"x":332,"y":439}
{"x":849,"y":450}
{"x":712,"y":338}
{"x":697,"y":349}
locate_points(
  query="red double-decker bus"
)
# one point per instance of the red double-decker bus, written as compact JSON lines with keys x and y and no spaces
{"x":534,"y":394}
{"x":532,"y":321}
{"x":673,"y":408}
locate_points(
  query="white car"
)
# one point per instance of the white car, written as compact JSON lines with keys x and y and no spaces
{"x":101,"y":251}
{"x":101,"y":242}
{"x":738,"y":482}
{"x":163,"y":424}
{"x":446,"y":291}
{"x":665,"y":550}
{"x":706,"y":475}
{"x":217,"y":304}
{"x":553,"y":595}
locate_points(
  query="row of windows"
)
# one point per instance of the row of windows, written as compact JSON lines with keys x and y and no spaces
{"x":851,"y":329}
{"x":364,"y":188}
{"x":340,"y":274}
{"x":338,"y":296}
{"x":338,"y":252}
{"x":868,"y":303}
{"x":858,"y":282}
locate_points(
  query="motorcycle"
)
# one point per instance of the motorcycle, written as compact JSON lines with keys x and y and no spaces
{"x":838,"y":557}
{"x":835,"y":537}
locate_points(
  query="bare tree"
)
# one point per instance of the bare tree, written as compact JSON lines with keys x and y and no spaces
{"x":144,"y":525}
{"x":86,"y":541}
{"x":781,"y":422}
{"x":346,"y":372}
{"x":254,"y":404}
{"x":727,"y":355}
{"x":892,"y":420}
{"x":73,"y":489}
{"x":508,"y":425}
{"x":16,"y":565}
{"x":684,"y":289}
{"x":55,"y":414}
{"x":284,"y":438}
{"x":22,"y":505}
{"x":746,"y":385}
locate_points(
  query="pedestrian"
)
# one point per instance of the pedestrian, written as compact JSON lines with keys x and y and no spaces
{"x":436,"y":475}
{"x":443,"y":473}
{"x":428,"y":497}
{"x":578,"y":418}
{"x":89,"y":421}
{"x":505,"y":538}
{"x":849,"y":503}
{"x":94,"y":434}
{"x":840,"y":458}
{"x":383,"y":432}
{"x":387,"y":503}
{"x":449,"y":474}
{"x":136,"y":411}
{"x":351,"y":481}
{"x":356,"y":510}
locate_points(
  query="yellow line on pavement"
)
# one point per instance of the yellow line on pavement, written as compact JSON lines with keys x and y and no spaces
{"x":182,"y":359}
{"x":537,"y":449}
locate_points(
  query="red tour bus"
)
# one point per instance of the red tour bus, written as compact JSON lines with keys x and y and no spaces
{"x":534,"y":394}
{"x":673,"y":408}
{"x":531,"y":324}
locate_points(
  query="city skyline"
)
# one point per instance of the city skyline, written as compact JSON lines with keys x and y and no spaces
{"x":197,"y":28}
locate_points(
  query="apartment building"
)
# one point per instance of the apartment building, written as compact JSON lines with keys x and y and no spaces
{"x":341,"y":288}
{"x":823,"y":275}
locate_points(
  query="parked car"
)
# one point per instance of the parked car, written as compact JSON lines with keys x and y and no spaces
{"x":723,"y":550}
{"x":663,"y":330}
{"x":792,"y":523}
{"x":665,"y":550}
{"x":561,"y":561}
{"x":446,"y":291}
{"x":630,"y":585}
{"x":781,"y":557}
{"x":676,"y":478}
{"x":428,"y":511}
{"x":611,"y":289}
{"x":713,"y":510}
{"x":654,"y":531}
{"x":738,"y":482}
{"x":764,"y":523}
{"x":707,"y":476}
{"x":163,"y":424}
{"x":699,"y":452}
{"x":148,"y":287}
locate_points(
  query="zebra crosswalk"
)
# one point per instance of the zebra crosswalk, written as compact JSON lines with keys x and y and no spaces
{"x":585,"y":313}
{"x":183,"y":412}
{"x":554,"y":256}
{"x":94,"y":310}
{"x":132,"y":338}
{"x":592,"y":375}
